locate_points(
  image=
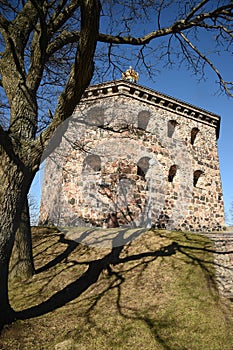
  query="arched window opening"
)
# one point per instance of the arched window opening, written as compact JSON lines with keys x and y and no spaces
{"x":196,"y":175}
{"x":172,"y":173}
{"x":95,"y":116}
{"x":143,"y":119}
{"x":143,"y":166}
{"x":171,"y":125}
{"x":92,"y":163}
{"x":194,"y":133}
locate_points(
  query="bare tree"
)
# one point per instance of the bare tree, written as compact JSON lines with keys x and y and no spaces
{"x":48,"y":49}
{"x":41,"y":25}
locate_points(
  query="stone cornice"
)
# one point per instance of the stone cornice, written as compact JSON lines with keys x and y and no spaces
{"x":155,"y":98}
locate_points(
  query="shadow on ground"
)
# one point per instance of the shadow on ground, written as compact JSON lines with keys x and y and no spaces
{"x":156,"y":291}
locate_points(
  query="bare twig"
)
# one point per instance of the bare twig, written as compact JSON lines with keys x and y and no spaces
{"x":227,"y":86}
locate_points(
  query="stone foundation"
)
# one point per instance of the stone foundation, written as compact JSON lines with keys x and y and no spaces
{"x":223,"y":256}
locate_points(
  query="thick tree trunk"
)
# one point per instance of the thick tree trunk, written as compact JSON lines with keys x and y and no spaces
{"x":6,"y":312}
{"x":15,"y":181}
{"x":19,"y":152}
{"x":7,"y":228}
{"x":21,"y":264}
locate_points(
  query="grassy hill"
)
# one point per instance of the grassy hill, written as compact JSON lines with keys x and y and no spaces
{"x":156,"y":293}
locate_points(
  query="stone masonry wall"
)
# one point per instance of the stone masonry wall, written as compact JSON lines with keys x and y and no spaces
{"x":150,"y":165}
{"x":223,"y":256}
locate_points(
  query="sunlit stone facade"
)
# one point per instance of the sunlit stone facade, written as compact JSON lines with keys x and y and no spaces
{"x":149,"y":158}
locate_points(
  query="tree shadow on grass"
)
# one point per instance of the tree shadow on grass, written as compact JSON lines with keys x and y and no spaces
{"x":71,"y":246}
{"x":193,"y":255}
{"x":90,"y":276}
{"x":108,"y":263}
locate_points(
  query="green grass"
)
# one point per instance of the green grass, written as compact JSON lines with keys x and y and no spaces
{"x":161,"y":295}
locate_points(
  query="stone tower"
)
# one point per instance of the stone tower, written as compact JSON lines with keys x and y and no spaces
{"x":129,"y":150}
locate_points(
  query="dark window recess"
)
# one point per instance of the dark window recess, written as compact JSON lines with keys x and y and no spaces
{"x":115,"y":89}
{"x":172,"y":173}
{"x":143,"y":119}
{"x":95,"y":116}
{"x":196,"y":176}
{"x":72,"y":201}
{"x":143,"y":166}
{"x":171,"y":125}
{"x":92,"y":163}
{"x":194,"y":133}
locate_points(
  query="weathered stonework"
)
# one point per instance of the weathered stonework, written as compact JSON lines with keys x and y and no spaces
{"x":223,"y":262}
{"x":148,"y":157}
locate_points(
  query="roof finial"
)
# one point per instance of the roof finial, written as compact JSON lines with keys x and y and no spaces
{"x":130,"y":75}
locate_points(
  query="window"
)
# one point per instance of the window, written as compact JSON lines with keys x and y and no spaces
{"x":143,"y":119}
{"x":194,"y":133}
{"x":143,"y":166}
{"x":172,"y":173}
{"x":92,"y":163}
{"x":196,"y":176}
{"x":171,"y":125}
{"x":72,"y":201}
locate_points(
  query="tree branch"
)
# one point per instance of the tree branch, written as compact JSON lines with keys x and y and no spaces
{"x":195,"y":9}
{"x":177,"y":27}
{"x":80,"y":75}
{"x":59,"y":18}
{"x":4,"y":23}
{"x":61,"y":40}
{"x":226,"y":85}
{"x":7,"y":144}
{"x":70,"y":37}
{"x":38,"y":50}
{"x":23,"y":24}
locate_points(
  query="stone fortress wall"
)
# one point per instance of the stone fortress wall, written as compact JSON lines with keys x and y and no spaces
{"x":223,"y":262}
{"x":149,"y":158}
